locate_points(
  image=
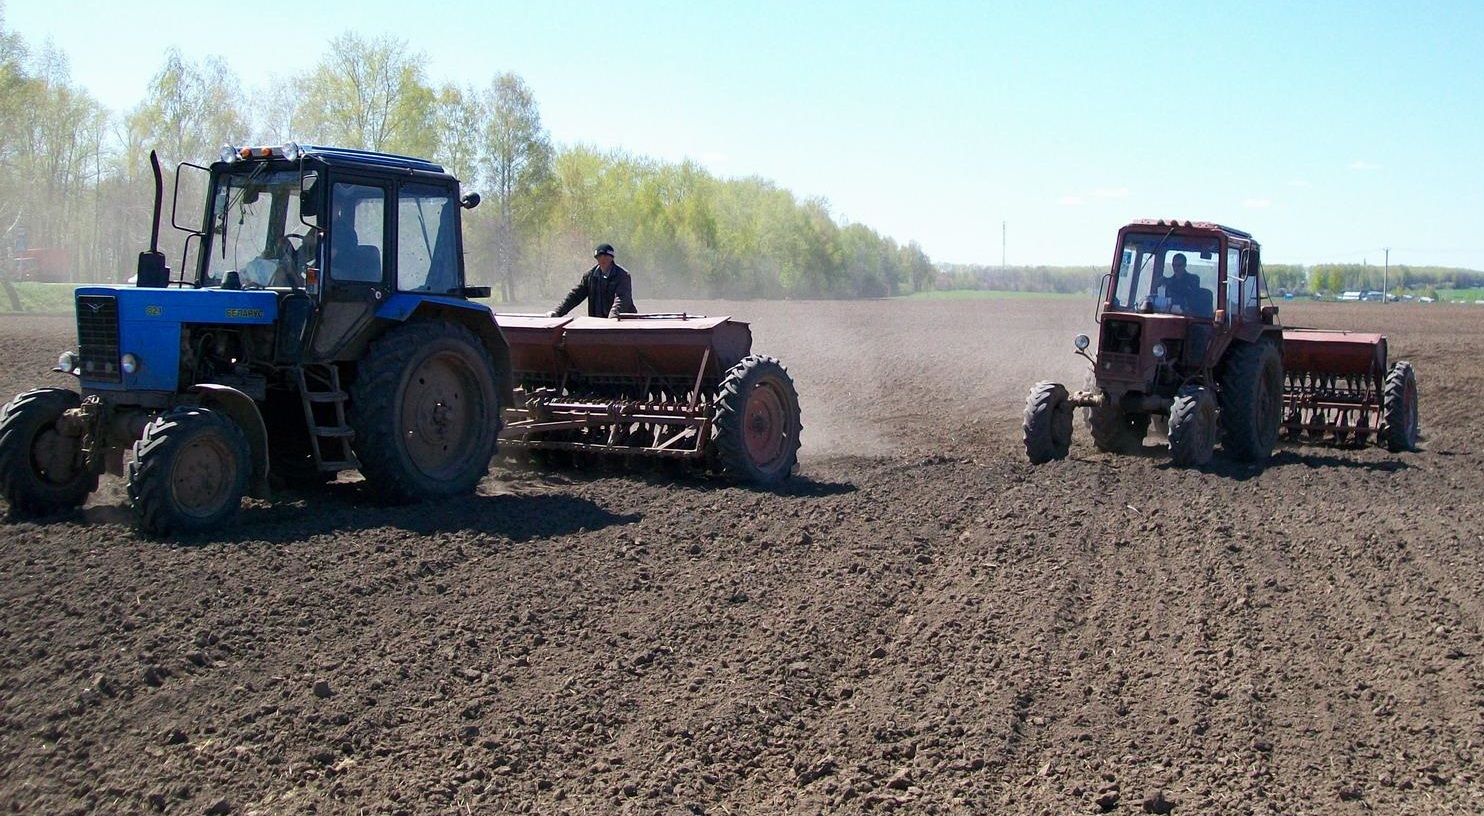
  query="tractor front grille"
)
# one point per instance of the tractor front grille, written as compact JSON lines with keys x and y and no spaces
{"x":98,"y":338}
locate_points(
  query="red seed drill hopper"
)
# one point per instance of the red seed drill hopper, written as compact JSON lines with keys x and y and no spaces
{"x":1338,"y":388}
{"x":663,"y":386}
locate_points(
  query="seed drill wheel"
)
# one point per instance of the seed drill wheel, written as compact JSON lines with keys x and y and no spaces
{"x":757,"y":425}
{"x":1193,"y":426}
{"x":1047,"y":423}
{"x":41,"y":471}
{"x":189,"y":472}
{"x":1399,"y":402}
{"x":1251,"y":400}
{"x":425,"y":412}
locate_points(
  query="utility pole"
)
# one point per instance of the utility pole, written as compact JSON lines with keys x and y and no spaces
{"x":1385,"y":272}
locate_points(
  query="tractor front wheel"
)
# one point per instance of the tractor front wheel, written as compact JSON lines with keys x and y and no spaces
{"x":189,"y":472}
{"x":1399,"y":401}
{"x":425,"y":412}
{"x":1047,"y":423}
{"x":1193,"y":426}
{"x":757,"y":426}
{"x":1251,"y":400}
{"x":41,"y":469}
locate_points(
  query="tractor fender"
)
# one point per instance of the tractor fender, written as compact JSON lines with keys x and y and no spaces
{"x":476,"y":317}
{"x":243,"y":411}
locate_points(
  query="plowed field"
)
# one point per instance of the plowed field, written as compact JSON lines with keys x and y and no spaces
{"x":919,"y":622}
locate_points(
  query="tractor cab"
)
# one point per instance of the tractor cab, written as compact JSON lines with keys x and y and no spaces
{"x":339,"y":235}
{"x":1195,"y":269}
{"x":1177,"y":292}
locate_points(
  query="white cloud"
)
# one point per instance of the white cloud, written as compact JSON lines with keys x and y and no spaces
{"x":1301,"y":183}
{"x":1360,"y":164}
{"x":1070,"y":201}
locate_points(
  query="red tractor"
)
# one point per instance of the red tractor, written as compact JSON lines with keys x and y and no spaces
{"x":1189,"y":336}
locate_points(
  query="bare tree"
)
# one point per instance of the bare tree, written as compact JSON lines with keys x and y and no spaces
{"x":369,"y":95}
{"x":191,"y":110}
{"x":517,"y":166}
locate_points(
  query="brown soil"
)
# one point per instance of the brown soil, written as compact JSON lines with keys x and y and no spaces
{"x":920,"y":622}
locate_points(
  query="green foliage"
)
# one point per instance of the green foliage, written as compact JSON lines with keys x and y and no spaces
{"x":682,"y":231}
{"x":369,"y":95}
{"x":1465,"y":295}
{"x":1336,"y":278}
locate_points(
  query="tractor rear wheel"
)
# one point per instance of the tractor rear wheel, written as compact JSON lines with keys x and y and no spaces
{"x":1251,"y":400}
{"x":41,"y":470}
{"x":1193,"y":426}
{"x":1399,"y":402}
{"x":189,"y":472}
{"x":1114,"y":430}
{"x":1047,"y":423}
{"x":757,"y":426}
{"x":425,"y":412}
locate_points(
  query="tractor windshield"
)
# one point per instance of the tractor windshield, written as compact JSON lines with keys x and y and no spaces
{"x":1159,"y":271}
{"x":256,"y":235}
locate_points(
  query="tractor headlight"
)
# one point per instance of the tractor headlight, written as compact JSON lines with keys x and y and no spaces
{"x":1081,"y":341}
{"x":1158,"y":351}
{"x":130,"y":363}
{"x":67,"y":362}
{"x":227,"y":154}
{"x":291,"y":151}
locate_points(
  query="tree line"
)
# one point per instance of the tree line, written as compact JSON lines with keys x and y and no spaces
{"x":1327,"y":279}
{"x":1333,"y":279}
{"x":75,"y":176}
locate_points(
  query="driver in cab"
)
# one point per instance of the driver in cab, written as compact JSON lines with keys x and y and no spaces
{"x":1182,"y":288}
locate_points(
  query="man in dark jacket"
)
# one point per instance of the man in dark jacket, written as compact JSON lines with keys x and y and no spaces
{"x":606,"y":288}
{"x":1184,"y":289}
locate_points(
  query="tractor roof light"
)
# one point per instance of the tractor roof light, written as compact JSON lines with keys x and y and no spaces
{"x":292,"y":151}
{"x":1081,"y":341}
{"x":230,"y":154}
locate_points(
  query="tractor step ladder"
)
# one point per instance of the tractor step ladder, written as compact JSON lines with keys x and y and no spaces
{"x":324,"y":413}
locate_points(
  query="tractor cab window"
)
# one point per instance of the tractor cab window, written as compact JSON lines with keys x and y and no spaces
{"x":255,"y":230}
{"x":357,"y":233}
{"x":1167,"y":273}
{"x":427,"y":233}
{"x":1242,"y":288}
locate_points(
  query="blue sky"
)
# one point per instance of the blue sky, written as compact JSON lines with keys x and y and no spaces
{"x":1330,"y":130}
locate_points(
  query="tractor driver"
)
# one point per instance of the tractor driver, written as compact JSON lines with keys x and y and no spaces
{"x":1184,"y":289}
{"x":607,"y":288}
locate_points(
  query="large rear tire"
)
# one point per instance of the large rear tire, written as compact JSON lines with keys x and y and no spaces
{"x":1251,"y":400}
{"x":1399,"y":401}
{"x":1047,"y":423}
{"x":1193,"y":426}
{"x":41,"y":470}
{"x":757,"y":426}
{"x":425,"y":412}
{"x":189,"y":472}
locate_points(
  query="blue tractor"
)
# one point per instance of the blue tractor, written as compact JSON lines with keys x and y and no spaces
{"x":325,"y":326}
